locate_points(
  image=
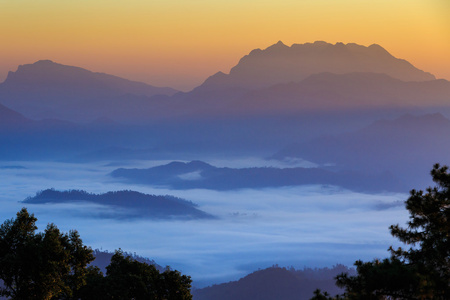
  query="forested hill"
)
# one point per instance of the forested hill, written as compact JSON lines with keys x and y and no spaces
{"x":127,"y":204}
{"x":276,"y":283}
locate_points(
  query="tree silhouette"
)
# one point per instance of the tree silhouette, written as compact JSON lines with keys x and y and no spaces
{"x":423,"y":270}
{"x":428,"y":233}
{"x":53,"y":265}
{"x":127,"y":278}
{"x":40,"y":265}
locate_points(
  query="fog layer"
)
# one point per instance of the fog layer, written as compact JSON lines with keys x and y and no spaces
{"x":311,"y":226}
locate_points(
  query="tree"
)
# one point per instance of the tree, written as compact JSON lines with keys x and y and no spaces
{"x":96,"y":287}
{"x":127,"y":278}
{"x":175,"y":286}
{"x":428,"y":233}
{"x":17,"y":243}
{"x":386,"y":279}
{"x":423,"y":270}
{"x":46,"y":265}
{"x":53,"y":265}
{"x":318,"y":295}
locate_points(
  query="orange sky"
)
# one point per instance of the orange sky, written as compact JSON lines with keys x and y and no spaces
{"x":180,"y":43}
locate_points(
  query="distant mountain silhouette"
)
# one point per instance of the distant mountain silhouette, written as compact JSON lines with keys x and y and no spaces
{"x":50,"y":90}
{"x":352,"y":91}
{"x":13,"y":123}
{"x":198,"y":174}
{"x":283,"y":64}
{"x":407,"y":147}
{"x":120,"y":118}
{"x":313,"y":77}
{"x":49,"y":73}
{"x":127,"y":204}
{"x":270,"y":82}
{"x":276,"y":283}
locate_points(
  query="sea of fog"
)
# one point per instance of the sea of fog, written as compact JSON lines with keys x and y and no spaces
{"x":306,"y":226}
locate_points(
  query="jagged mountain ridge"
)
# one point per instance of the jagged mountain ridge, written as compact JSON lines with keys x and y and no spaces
{"x":283,"y":64}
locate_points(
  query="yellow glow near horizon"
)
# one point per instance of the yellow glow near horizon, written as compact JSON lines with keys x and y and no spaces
{"x":179,"y":43}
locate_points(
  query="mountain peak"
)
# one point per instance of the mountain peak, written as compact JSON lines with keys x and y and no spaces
{"x":279,"y":44}
{"x":321,"y":43}
{"x":44,"y":62}
{"x":278,"y":48}
{"x":375,"y":48}
{"x":46,"y":71}
{"x":49,"y":72}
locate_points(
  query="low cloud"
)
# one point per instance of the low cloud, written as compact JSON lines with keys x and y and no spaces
{"x":300,"y":226}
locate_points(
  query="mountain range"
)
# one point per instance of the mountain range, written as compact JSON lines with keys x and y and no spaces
{"x":273,"y":81}
{"x":315,"y":100}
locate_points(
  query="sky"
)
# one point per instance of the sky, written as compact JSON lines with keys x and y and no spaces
{"x":179,"y":43}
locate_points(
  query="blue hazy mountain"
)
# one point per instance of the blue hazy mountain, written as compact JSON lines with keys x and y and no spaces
{"x":50,"y":90}
{"x":407,"y":147}
{"x":126,"y":204}
{"x":341,"y":92}
{"x":11,"y":118}
{"x":198,"y":174}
